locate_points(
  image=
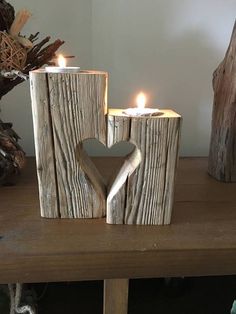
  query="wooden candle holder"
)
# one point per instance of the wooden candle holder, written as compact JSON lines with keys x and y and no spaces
{"x":69,"y":108}
{"x":143,"y":190}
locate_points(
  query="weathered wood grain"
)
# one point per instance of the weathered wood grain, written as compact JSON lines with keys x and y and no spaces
{"x":73,"y":107}
{"x":222,"y":156}
{"x":77,"y":108}
{"x":117,"y":189}
{"x":97,"y":181}
{"x":43,"y":135}
{"x":148,"y":192}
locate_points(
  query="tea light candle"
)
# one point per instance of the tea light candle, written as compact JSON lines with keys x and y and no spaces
{"x":61,"y":68}
{"x":140,"y":110}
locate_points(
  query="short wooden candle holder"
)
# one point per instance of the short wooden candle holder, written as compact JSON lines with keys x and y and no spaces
{"x":69,"y":108}
{"x":147,"y":194}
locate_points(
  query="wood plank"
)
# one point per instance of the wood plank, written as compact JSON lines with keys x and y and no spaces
{"x":200,"y":241}
{"x":74,"y":267}
{"x":116,"y":296}
{"x":43,"y":136}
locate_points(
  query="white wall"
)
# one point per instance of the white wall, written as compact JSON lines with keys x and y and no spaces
{"x":167,"y":48}
{"x":68,"y":20}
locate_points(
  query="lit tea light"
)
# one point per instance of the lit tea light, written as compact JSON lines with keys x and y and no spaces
{"x":62,"y":68}
{"x":61,"y":61}
{"x":140,"y":110}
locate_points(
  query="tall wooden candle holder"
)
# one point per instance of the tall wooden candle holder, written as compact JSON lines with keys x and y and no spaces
{"x":71,"y":107}
{"x":67,"y":108}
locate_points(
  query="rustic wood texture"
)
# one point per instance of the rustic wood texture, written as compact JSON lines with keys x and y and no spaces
{"x":116,"y":296}
{"x":141,"y":191}
{"x":222,"y":157}
{"x":200,"y":241}
{"x":76,"y":105}
{"x":146,"y":196}
{"x":43,"y":137}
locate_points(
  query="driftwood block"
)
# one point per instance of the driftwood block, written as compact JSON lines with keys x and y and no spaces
{"x":143,"y":190}
{"x":67,"y":108}
{"x":222,"y":156}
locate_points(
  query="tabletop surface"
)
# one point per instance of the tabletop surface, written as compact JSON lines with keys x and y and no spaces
{"x":201,"y":239}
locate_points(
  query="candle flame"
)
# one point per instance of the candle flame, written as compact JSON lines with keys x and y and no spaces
{"x":141,"y":100}
{"x":61,"y":61}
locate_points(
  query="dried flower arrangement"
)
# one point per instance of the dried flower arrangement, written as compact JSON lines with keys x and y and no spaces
{"x":18,"y":56}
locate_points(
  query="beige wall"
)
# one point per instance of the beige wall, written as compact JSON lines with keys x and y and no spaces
{"x":168,"y":48}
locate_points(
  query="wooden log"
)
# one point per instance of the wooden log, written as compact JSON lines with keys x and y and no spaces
{"x":145,"y":185}
{"x":75,"y":108}
{"x":20,"y":20}
{"x":222,"y":156}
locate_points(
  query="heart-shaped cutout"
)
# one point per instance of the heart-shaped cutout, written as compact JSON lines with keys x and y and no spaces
{"x":108,"y":188}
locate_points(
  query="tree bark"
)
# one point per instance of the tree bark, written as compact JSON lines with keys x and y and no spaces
{"x":222,"y":156}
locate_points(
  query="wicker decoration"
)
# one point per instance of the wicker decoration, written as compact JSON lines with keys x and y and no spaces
{"x":12,"y":54}
{"x":18,"y":56}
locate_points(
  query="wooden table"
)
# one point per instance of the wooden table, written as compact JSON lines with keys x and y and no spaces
{"x":200,"y":241}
